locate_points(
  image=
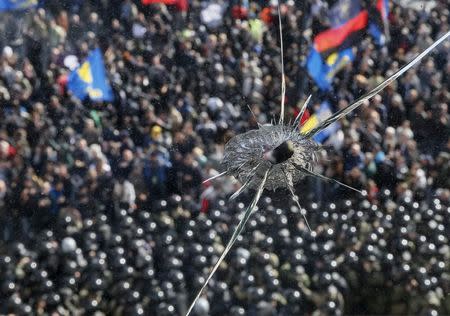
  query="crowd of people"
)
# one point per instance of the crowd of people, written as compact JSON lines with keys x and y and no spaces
{"x":102,"y":206}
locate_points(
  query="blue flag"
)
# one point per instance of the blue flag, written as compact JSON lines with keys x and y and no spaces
{"x":323,"y":71}
{"x":89,"y":79}
{"x":322,"y":114}
{"x":10,"y":5}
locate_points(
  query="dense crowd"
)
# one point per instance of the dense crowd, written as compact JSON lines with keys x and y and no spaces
{"x":102,"y":206}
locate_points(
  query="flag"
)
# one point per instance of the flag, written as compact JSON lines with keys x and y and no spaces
{"x":322,"y":113}
{"x":10,"y":5}
{"x":342,"y":11}
{"x":182,"y":5}
{"x":342,"y":36}
{"x":332,"y":48}
{"x":378,"y":21}
{"x":323,"y":71}
{"x":89,"y":79}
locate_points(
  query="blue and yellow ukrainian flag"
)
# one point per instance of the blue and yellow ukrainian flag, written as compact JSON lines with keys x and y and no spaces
{"x":11,"y":5}
{"x":89,"y":79}
{"x":323,"y":71}
{"x":323,"y":113}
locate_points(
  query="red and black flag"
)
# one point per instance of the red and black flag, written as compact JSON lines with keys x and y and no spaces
{"x":332,"y":49}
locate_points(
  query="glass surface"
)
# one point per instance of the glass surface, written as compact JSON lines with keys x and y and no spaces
{"x":254,"y":157}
